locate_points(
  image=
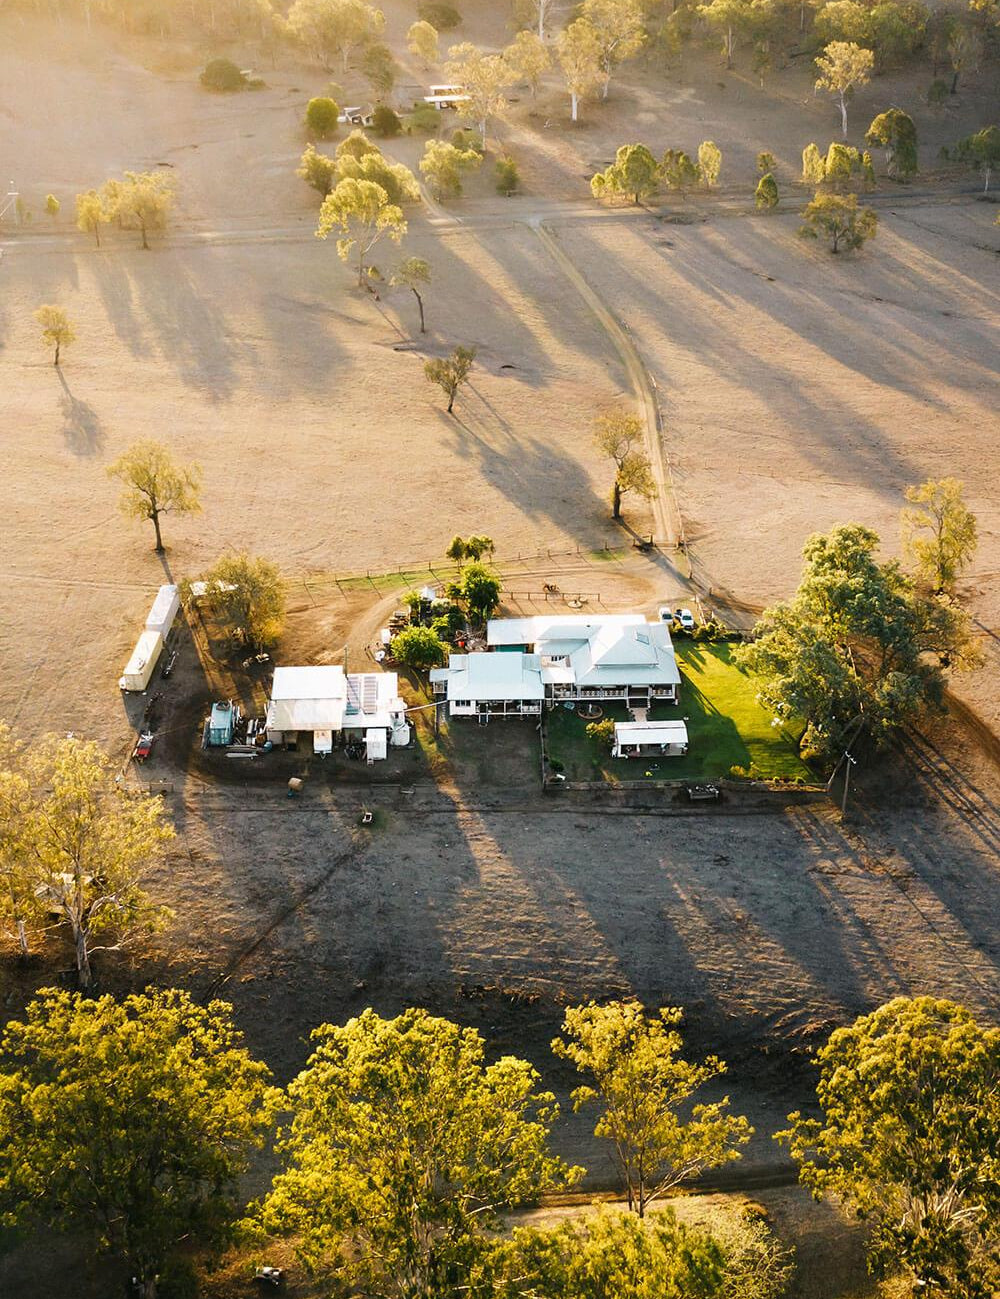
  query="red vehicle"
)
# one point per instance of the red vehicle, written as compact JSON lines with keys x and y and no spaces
{"x":143,"y":746}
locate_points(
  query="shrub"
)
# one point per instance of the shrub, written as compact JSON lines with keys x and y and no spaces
{"x":556,"y":765}
{"x":424,"y":118}
{"x":322,"y":115}
{"x":441,"y":15}
{"x":222,"y":75}
{"x":463,"y":138}
{"x":603,"y":731}
{"x":507,"y":176}
{"x":386,"y":122}
{"x":937,"y":93}
{"x":52,"y":205}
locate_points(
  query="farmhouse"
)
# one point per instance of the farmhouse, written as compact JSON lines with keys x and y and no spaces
{"x":621,"y":659}
{"x":312,"y":705}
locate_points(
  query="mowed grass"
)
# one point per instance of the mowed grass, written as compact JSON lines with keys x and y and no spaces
{"x":726,"y":725}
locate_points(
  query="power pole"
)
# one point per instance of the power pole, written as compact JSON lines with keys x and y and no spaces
{"x":847,"y":783}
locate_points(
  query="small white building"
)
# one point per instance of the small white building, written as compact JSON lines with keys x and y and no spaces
{"x":316,"y":704}
{"x":491,"y":685}
{"x":650,"y":740}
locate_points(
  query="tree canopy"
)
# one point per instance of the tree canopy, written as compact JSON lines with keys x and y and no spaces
{"x":362,"y":211}
{"x":910,"y":1100}
{"x":580,"y":52}
{"x":634,"y":174}
{"x":641,"y":1086}
{"x":940,"y":535}
{"x":450,"y":372}
{"x":248,"y":594}
{"x":619,"y":434}
{"x":843,"y":65}
{"x":855,"y":650}
{"x":443,"y":165}
{"x":335,"y":29}
{"x":57,"y":328}
{"x":128,"y":1122}
{"x":895,"y":132}
{"x":154,"y":485}
{"x":404,"y":1145}
{"x":838,"y":218}
{"x":419,"y":648}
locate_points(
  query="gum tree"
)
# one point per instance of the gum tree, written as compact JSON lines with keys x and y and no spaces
{"x":154,"y":485}
{"x":362,"y":212}
{"x":843,"y":66}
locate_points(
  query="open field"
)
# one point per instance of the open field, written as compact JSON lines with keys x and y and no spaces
{"x":796,"y":390}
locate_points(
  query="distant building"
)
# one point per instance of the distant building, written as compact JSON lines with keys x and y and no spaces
{"x":618,"y":659}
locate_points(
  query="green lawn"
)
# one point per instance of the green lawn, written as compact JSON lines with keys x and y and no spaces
{"x":726,"y":728}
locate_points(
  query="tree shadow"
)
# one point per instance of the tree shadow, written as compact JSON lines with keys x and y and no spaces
{"x":82,"y":426}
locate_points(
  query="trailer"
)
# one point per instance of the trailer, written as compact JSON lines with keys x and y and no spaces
{"x":164,"y":610}
{"x":141,"y":665}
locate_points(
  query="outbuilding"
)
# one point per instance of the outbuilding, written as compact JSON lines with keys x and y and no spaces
{"x":650,"y":740}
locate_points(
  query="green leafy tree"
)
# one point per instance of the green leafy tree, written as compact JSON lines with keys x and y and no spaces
{"x":419,"y":648}
{"x":248,"y":594}
{"x":766,"y":162}
{"x":362,"y":212}
{"x":843,"y":66}
{"x":813,"y":166}
{"x":422,"y":42}
{"x":896,"y":31}
{"x":842,"y":162}
{"x":142,"y":200}
{"x":484,"y":79}
{"x":732,"y":19}
{"x":619,"y":435}
{"x":843,"y":20}
{"x":450,"y":372}
{"x":981,"y":151}
{"x":529,"y":58}
{"x":88,"y":843}
{"x":379,"y":68}
{"x":634,"y":174}
{"x":128,"y":1124}
{"x":403,"y":1149}
{"x":480,"y":591}
{"x":462,"y":548}
{"x":222,"y":76}
{"x":619,"y":26}
{"x":91,"y":214}
{"x":679,"y":171}
{"x":20,"y":908}
{"x":766,"y":194}
{"x":413,"y":273}
{"x":642,"y":1086}
{"x":602,"y":732}
{"x":335,"y":30}
{"x":940,"y":535}
{"x":507,"y":175}
{"x":580,"y":51}
{"x":396,"y":179}
{"x":317,"y":170}
{"x":386,"y":122}
{"x":853,"y":651}
{"x":606,"y":1254}
{"x":838,"y":218}
{"x":894,"y":131}
{"x":322,"y":117}
{"x":356,"y":145}
{"x":443,"y":165}
{"x":154,"y":485}
{"x":52,"y":205}
{"x":910,"y":1098}
{"x":57,"y":328}
{"x":709,"y":163}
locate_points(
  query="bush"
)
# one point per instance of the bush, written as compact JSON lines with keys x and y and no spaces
{"x":441,"y":15}
{"x":222,"y":75}
{"x":463,"y":138}
{"x":386,"y":122}
{"x":322,"y":115}
{"x":507,"y":176}
{"x":424,"y":118}
{"x":603,"y":731}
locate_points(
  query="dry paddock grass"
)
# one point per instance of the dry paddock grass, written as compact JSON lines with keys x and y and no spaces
{"x":797,"y":391}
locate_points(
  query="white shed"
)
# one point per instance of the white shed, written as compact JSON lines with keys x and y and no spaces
{"x":650,"y":740}
{"x":140,"y":666}
{"x":164,"y":610}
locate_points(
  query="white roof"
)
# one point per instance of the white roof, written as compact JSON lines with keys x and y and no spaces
{"x":650,"y":733}
{"x":307,"y":699}
{"x":554,"y":627}
{"x":165,"y":606}
{"x":487,"y":677}
{"x":146,"y":647}
{"x":640,"y":654}
{"x":372,"y":700}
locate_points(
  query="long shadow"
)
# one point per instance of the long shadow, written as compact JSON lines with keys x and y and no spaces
{"x":82,"y":426}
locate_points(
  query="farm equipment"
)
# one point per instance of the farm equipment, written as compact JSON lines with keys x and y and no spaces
{"x":143,"y":746}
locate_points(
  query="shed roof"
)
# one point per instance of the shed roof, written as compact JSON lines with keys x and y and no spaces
{"x":492,"y":676}
{"x":650,"y":733}
{"x":569,"y":627}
